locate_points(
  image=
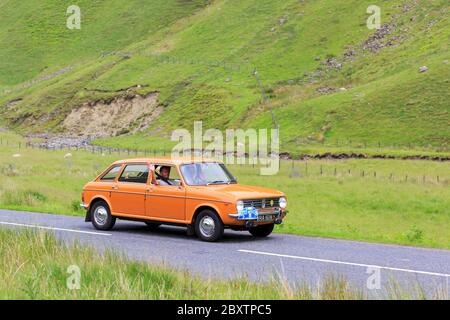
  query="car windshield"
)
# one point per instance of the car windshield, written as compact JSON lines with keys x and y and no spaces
{"x":206,"y":173}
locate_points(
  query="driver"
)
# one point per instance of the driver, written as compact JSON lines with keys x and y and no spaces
{"x":164,"y":174}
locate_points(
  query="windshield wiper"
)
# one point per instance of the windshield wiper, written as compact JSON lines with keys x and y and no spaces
{"x":217,"y":182}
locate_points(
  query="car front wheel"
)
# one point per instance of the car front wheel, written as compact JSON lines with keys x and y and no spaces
{"x":208,"y":226}
{"x":261,"y":231}
{"x":101,"y":216}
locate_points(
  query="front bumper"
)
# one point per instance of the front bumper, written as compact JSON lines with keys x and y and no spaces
{"x":261,"y":216}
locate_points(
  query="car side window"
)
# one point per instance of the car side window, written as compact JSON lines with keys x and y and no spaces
{"x":111,"y":174}
{"x":167,"y":176}
{"x":135,"y":173}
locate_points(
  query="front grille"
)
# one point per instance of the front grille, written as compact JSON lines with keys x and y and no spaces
{"x":262,"y":203}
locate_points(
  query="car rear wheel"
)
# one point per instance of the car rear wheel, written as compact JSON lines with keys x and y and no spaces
{"x":208,"y":226}
{"x":152,"y":225}
{"x":262,"y":231}
{"x":101,"y":216}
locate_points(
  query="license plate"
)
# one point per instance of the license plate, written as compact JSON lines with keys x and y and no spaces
{"x":249,"y":213}
{"x":265,"y":217}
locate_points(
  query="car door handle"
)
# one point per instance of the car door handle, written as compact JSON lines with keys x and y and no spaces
{"x":115,"y":187}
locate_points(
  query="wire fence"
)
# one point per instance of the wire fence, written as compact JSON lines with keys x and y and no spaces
{"x":301,"y":169}
{"x":354,"y":144}
{"x":295,"y":169}
{"x":148,"y":151}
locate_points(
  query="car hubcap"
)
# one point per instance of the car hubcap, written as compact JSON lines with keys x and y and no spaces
{"x":207,"y":226}
{"x":100,"y":215}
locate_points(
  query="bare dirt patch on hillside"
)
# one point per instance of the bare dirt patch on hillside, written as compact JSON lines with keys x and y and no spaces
{"x":123,"y":114}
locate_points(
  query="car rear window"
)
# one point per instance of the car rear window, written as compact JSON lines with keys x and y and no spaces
{"x":111,"y":174}
{"x":135,"y":173}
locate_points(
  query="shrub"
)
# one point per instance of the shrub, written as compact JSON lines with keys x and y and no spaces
{"x":414,"y":234}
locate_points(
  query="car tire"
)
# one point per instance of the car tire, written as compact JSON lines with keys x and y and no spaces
{"x":208,"y":226}
{"x":152,"y":225}
{"x":262,"y":231}
{"x":101,"y":216}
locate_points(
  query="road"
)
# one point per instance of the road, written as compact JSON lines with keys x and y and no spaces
{"x":297,"y":259}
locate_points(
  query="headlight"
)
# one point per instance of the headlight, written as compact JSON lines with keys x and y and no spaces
{"x":240,"y":205}
{"x":283,"y":202}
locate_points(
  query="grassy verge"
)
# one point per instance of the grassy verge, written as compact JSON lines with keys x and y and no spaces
{"x":37,"y":266}
{"x":390,"y":201}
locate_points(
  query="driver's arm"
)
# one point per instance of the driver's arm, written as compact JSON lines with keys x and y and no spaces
{"x":153,"y":175}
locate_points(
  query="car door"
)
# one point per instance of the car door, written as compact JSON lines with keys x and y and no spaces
{"x":167,"y":202}
{"x":128,"y":192}
{"x":104,"y":185}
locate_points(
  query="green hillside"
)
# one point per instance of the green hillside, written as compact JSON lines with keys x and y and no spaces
{"x":329,"y":79}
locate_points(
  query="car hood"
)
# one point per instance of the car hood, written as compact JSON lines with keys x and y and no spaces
{"x":241,"y":192}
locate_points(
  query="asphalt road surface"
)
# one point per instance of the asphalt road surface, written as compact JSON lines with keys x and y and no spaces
{"x":371,"y":267}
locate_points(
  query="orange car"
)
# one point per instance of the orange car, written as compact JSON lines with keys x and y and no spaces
{"x":199,"y":194}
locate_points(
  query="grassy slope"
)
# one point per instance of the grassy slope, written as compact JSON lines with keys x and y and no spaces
{"x":35,"y":32}
{"x":403,"y":209}
{"x":42,"y":45}
{"x":388,"y":101}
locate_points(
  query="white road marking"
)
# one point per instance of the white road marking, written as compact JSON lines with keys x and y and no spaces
{"x":53,"y":228}
{"x":347,"y":263}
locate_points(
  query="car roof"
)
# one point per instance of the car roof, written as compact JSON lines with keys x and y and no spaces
{"x":167,"y":160}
